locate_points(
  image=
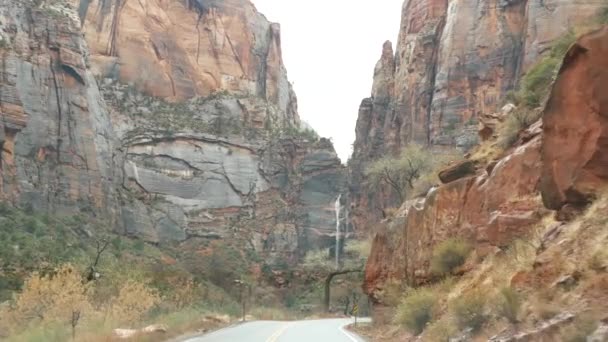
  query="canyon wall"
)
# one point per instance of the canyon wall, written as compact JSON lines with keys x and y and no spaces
{"x":557,"y":163}
{"x":172,"y":121}
{"x":454,"y":62}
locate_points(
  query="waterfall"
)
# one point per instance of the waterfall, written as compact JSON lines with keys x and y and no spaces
{"x":337,"y":250}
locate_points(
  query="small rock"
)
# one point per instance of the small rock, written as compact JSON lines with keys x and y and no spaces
{"x":600,"y":334}
{"x":155,"y":328}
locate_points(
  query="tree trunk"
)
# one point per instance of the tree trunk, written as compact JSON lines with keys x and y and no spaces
{"x":328,"y":280}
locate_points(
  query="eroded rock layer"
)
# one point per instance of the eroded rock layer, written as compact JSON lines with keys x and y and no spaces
{"x":455,"y":61}
{"x":575,"y":145}
{"x":172,"y":121}
{"x":556,"y":162}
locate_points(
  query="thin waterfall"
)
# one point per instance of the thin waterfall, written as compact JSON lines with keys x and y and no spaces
{"x":337,"y":250}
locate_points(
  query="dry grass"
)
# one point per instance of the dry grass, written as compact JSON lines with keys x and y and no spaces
{"x":441,"y":331}
{"x":416,"y":309}
{"x":470,"y":310}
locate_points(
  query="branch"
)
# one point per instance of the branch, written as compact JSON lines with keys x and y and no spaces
{"x":393,"y":183}
{"x":102,"y":245}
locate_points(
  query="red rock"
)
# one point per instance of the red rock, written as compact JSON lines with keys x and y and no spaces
{"x":480,"y":209}
{"x":456,"y":171}
{"x":575,"y":145}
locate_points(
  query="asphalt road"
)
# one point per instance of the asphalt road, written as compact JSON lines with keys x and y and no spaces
{"x":323,"y":330}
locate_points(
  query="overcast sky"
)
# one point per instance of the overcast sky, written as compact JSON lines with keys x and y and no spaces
{"x":330,"y":48}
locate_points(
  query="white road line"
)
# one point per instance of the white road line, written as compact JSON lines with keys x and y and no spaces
{"x":349,"y":335}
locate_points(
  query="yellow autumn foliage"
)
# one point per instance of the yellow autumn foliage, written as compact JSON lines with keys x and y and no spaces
{"x":53,"y":297}
{"x":133,"y":301}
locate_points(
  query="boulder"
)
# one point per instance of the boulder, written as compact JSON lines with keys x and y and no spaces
{"x":575,"y":126}
{"x":457,"y":171}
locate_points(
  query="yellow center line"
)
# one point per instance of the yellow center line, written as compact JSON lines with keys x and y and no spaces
{"x":278,"y":333}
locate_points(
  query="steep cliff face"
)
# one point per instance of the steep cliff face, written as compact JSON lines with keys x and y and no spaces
{"x":575,"y":149}
{"x":557,"y":158}
{"x":171,"y":121}
{"x":490,"y":209}
{"x":177,"y":50}
{"x":56,"y":134}
{"x":454,"y":63}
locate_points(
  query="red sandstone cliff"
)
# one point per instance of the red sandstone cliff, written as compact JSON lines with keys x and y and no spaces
{"x":454,"y":63}
{"x":181,"y":49}
{"x":562,"y":157}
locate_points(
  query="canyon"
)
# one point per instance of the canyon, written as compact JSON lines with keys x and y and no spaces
{"x":451,"y":82}
{"x":174,"y":124}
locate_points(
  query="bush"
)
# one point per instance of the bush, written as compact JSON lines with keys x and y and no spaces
{"x":391,"y":293}
{"x":449,"y":255}
{"x":510,"y":304}
{"x":469,"y":311}
{"x":416,"y":309}
{"x":515,"y":123}
{"x":358,"y":249}
{"x":537,"y":82}
{"x":440,"y":331}
{"x":133,"y":301}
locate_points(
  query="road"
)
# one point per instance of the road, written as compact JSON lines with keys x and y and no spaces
{"x":330,"y":330}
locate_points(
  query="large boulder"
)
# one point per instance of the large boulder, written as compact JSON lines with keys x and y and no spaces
{"x":575,"y":144}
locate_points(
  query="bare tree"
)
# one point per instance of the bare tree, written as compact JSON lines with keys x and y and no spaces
{"x":401,"y":172}
{"x":101,"y":246}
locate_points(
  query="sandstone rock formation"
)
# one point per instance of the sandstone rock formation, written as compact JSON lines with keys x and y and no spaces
{"x":181,"y":49}
{"x":56,"y":135}
{"x":453,"y":65}
{"x":575,"y":129}
{"x":490,"y":209}
{"x":558,"y":158}
{"x":171,"y":121}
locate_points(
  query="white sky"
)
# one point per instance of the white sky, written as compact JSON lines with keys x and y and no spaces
{"x":330,"y":48}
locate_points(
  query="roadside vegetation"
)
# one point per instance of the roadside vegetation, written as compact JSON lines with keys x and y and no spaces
{"x":320,"y":268}
{"x":65,"y":277}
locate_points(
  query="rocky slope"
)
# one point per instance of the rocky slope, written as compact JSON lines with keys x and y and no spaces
{"x":454,"y":62}
{"x":534,"y":193}
{"x":171,"y":121}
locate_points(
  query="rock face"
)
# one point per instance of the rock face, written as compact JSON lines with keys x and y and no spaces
{"x":55,"y":132}
{"x":490,"y":209}
{"x":453,"y":65}
{"x":575,"y":145}
{"x":177,"y":50}
{"x":558,"y":158}
{"x":171,"y":121}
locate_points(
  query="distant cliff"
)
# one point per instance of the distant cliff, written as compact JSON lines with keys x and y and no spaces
{"x":171,"y":121}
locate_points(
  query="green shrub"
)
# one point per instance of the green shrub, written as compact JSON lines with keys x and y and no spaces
{"x":416,"y":309}
{"x":469,"y":311}
{"x":537,"y":81}
{"x":515,"y":123}
{"x":510,"y":304}
{"x":561,"y":45}
{"x":449,"y":255}
{"x":603,"y":16}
